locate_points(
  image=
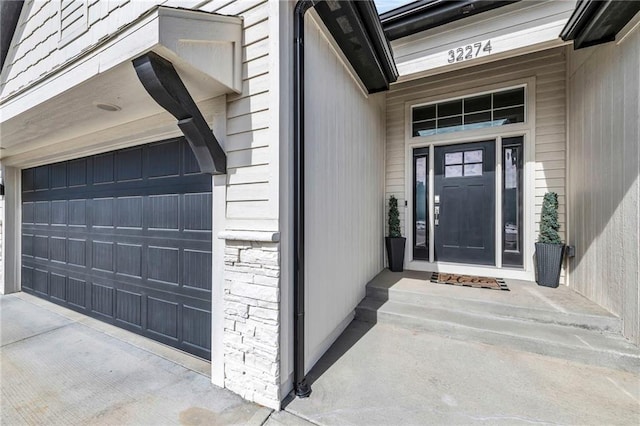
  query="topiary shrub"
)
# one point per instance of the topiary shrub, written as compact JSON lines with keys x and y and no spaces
{"x":549,"y":224}
{"x":394,"y":218}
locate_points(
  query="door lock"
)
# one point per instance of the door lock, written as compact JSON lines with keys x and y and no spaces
{"x":436,"y":215}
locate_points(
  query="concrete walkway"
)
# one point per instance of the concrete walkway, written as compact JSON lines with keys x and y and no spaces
{"x":61,"y":368}
{"x":387,"y":375}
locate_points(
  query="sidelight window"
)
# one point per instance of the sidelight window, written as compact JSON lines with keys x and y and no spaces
{"x":420,"y":192}
{"x":512,"y":252}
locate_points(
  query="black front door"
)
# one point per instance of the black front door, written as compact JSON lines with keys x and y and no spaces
{"x":465,"y":203}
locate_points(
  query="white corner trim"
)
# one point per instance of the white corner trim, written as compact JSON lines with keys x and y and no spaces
{"x":261,"y":236}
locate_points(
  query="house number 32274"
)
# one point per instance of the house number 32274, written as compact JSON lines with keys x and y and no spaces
{"x":469,"y":51}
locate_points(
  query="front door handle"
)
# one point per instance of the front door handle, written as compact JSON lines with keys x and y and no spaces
{"x":436,"y":215}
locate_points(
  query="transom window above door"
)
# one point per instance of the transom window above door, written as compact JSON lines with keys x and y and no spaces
{"x":473,"y":112}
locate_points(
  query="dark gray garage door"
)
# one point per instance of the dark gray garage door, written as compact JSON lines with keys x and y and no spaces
{"x":124,"y":237}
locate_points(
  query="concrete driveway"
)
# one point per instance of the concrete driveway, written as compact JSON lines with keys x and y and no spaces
{"x":61,"y":368}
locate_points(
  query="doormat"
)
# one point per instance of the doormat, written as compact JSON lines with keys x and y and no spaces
{"x":469,"y":281}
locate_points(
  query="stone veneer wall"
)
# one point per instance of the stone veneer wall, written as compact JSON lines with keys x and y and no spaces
{"x":252,"y":320}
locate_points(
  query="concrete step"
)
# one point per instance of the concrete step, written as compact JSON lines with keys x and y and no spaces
{"x":604,"y":323}
{"x":593,"y":347}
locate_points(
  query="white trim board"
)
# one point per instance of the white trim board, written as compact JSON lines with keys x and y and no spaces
{"x":516,"y":29}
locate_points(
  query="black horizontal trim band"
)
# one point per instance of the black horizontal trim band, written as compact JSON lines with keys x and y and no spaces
{"x":596,"y":22}
{"x":426,"y":14}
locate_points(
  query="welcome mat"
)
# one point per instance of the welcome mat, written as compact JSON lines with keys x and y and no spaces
{"x":469,"y":281}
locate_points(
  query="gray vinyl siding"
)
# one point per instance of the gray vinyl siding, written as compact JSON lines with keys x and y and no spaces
{"x":344,"y":192}
{"x":604,"y":196}
{"x":548,"y":68}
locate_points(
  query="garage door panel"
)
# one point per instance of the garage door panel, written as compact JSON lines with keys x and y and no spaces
{"x":162,"y":317}
{"x":77,"y":173}
{"x":41,"y":178}
{"x":41,"y":281}
{"x":162,"y":264}
{"x":27,"y":213}
{"x":28,"y":180}
{"x":129,"y":212}
{"x":41,"y":246}
{"x":59,"y":175}
{"x":77,"y":252}
{"x":27,"y":277}
{"x":102,"y":211}
{"x":197,"y":212}
{"x":58,"y":286}
{"x":162,"y":212}
{"x":76,"y":291}
{"x":164,"y":159}
{"x":129,"y":307}
{"x":58,"y":249}
{"x":27,"y":245}
{"x":129,"y":259}
{"x":129,"y":164}
{"x":59,"y":212}
{"x":124,"y":237}
{"x":77,"y":211}
{"x":103,"y":169}
{"x":102,"y":300}
{"x":196,"y":327}
{"x":42,"y":213}
{"x":197,"y":269}
{"x":102,"y":256}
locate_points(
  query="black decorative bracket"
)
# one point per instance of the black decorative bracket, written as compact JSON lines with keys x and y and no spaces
{"x":162,"y":82}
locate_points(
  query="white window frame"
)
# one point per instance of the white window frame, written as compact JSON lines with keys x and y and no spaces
{"x":526,"y":130}
{"x":519,"y":86}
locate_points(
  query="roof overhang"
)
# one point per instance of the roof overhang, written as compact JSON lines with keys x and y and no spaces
{"x":61,"y":113}
{"x":423,"y":15}
{"x":597,"y":22}
{"x":518,"y":28}
{"x":357,"y":30}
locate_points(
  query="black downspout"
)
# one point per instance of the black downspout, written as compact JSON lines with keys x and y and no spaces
{"x":301,"y":388}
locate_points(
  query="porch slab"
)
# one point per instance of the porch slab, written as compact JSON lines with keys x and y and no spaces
{"x":383,"y":374}
{"x":525,"y":300}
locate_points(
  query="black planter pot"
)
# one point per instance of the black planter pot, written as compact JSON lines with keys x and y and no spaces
{"x":395,"y":253}
{"x":549,"y":263}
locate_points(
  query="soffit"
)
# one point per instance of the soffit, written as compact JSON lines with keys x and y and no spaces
{"x":203,"y":47}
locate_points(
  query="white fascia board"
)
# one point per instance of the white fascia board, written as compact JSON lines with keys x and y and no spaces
{"x":516,"y":29}
{"x":184,"y":35}
{"x":518,"y":43}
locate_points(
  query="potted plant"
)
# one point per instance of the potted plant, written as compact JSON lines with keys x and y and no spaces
{"x":549,"y":248}
{"x":395,"y":241}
